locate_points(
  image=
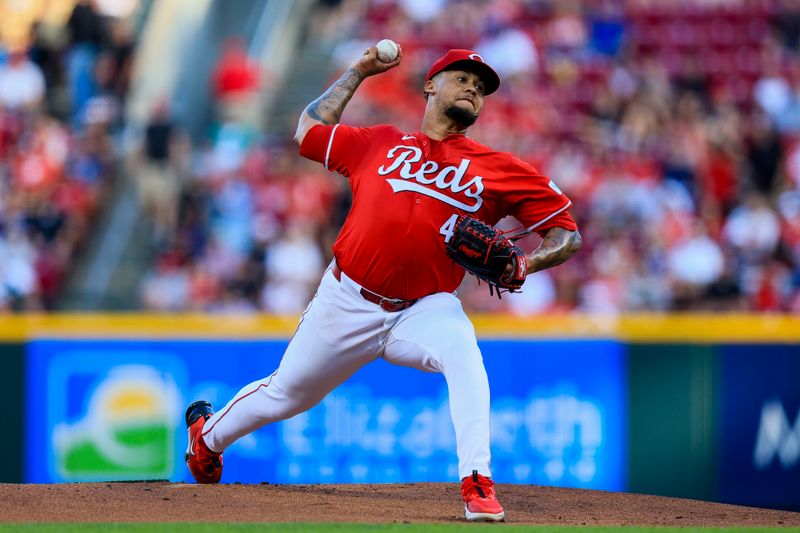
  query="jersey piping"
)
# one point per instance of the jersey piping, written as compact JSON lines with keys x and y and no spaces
{"x":330,"y":143}
{"x":548,"y":217}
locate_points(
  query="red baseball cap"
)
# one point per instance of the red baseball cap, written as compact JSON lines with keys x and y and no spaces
{"x":471,"y":62}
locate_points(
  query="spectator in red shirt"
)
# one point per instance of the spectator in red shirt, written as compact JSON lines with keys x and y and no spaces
{"x":236,"y":82}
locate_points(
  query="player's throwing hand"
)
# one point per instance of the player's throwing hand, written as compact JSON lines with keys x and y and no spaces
{"x":369,"y":64}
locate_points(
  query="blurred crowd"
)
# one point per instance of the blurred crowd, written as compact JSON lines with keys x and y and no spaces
{"x":674,"y":126}
{"x":61,"y":91}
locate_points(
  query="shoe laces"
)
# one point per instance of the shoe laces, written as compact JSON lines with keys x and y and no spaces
{"x":477,"y":486}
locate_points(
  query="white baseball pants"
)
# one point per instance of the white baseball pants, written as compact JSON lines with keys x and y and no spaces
{"x":340,"y":332}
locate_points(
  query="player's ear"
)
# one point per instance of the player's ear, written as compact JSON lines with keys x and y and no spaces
{"x":429,"y":88}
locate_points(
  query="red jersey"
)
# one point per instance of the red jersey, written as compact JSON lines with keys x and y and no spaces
{"x":408,"y":190}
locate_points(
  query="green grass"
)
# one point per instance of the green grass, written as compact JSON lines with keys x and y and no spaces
{"x":359,"y":528}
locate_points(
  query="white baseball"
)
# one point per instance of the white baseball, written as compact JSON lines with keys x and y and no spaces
{"x":387,"y":50}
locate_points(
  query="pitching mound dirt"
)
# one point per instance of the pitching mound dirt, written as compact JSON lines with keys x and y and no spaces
{"x":414,"y":502}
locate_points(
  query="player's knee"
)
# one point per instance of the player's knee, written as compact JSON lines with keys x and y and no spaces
{"x":461,"y":340}
{"x":301,"y":402}
{"x":465,"y":355}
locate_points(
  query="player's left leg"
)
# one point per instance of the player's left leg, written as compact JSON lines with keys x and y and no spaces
{"x":417,"y":341}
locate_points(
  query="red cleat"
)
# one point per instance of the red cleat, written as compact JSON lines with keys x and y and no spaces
{"x":480,"y":501}
{"x":205,"y":465}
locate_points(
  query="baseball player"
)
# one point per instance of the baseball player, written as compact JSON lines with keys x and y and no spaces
{"x":390,"y":291}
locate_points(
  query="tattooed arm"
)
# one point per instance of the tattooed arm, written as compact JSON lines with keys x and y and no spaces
{"x":558,"y":245}
{"x":328,"y":108}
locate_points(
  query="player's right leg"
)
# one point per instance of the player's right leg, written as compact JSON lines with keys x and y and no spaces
{"x":337,"y":335}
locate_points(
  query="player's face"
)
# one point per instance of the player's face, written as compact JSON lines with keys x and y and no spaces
{"x":460,"y":94}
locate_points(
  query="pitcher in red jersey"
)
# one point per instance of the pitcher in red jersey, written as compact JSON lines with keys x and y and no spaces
{"x":390,"y":291}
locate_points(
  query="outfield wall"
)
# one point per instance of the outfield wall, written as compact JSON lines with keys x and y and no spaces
{"x":705,"y":407}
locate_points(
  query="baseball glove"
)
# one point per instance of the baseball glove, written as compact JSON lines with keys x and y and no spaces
{"x":487,"y":253}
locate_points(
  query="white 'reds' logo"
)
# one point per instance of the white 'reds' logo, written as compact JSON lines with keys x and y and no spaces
{"x":428,"y":173}
{"x":776,"y":436}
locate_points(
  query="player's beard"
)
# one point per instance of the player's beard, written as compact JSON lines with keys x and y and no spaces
{"x":462,"y":116}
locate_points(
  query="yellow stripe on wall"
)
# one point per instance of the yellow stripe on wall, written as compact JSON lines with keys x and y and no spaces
{"x":691,"y":328}
{"x":145,"y":326}
{"x":684,"y":328}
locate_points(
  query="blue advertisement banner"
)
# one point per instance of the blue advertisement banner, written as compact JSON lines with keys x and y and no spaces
{"x":113,"y":410}
{"x":759,"y":459}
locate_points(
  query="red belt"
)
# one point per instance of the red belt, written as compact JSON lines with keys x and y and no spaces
{"x":390,"y":305}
